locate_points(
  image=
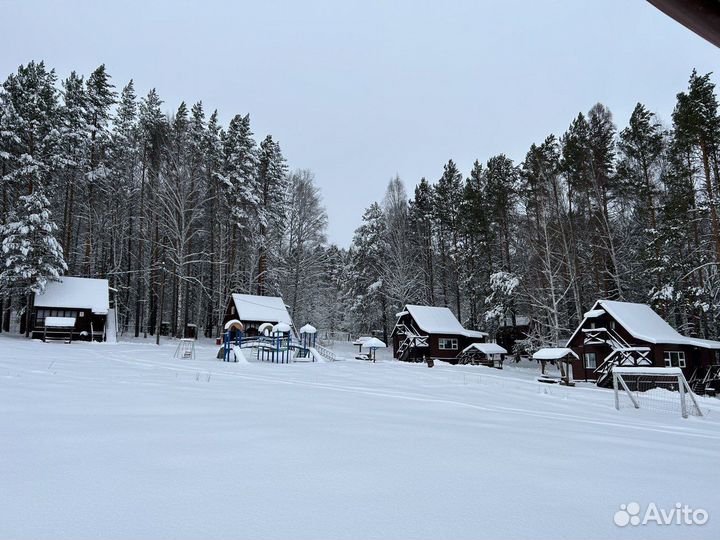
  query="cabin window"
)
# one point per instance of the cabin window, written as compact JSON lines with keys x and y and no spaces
{"x":592,"y":324}
{"x":674,"y":359}
{"x":612,"y":325}
{"x":40,"y":316}
{"x":232,"y":310}
{"x":590,"y":360}
{"x":42,"y":313}
{"x":448,"y":344}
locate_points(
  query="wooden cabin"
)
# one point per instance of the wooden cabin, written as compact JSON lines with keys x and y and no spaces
{"x":628,"y":334}
{"x":82,"y":305}
{"x":508,"y":334}
{"x":431,"y":332}
{"x":253,"y":311}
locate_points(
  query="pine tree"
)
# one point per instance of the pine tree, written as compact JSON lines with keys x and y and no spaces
{"x":478,"y":241}
{"x":365,"y":280}
{"x":448,"y":194}
{"x":124,"y":199}
{"x":576,"y":169}
{"x":74,"y":150}
{"x":501,"y":179}
{"x":152,"y":134}
{"x":29,"y":156}
{"x":272,"y":185}
{"x":641,"y":148}
{"x":216,"y":222}
{"x":32,"y":117}
{"x":31,"y":255}
{"x":100,"y":99}
{"x":697,"y":126}
{"x":239,"y":181}
{"x":421,"y":237}
{"x":601,"y":145}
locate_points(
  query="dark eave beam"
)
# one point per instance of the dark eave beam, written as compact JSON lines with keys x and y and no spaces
{"x":700,"y":16}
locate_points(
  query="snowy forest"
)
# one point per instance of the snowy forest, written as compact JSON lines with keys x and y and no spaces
{"x":178,"y":210}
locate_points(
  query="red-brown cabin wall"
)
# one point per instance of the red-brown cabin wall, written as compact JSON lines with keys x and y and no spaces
{"x":433,"y":350}
{"x":694,"y":356}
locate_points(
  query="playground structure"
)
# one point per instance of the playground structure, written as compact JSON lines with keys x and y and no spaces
{"x":185,"y":349}
{"x":275,"y":343}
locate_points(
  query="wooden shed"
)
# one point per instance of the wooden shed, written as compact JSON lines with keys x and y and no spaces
{"x":86,"y":300}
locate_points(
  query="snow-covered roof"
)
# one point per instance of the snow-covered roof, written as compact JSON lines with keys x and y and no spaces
{"x":439,"y":320}
{"x":594,"y":313}
{"x":374,"y":343}
{"x":250,"y":307}
{"x":60,"y":322}
{"x":553,"y":353}
{"x":486,"y":348}
{"x":281,"y":327}
{"x":308,"y":329}
{"x":233,"y":323}
{"x":520,"y":320}
{"x":643,"y":323}
{"x":265,"y":328}
{"x":76,"y":293}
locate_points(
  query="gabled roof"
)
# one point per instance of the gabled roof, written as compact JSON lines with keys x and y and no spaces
{"x":644,"y":324}
{"x":251,"y":307}
{"x":486,"y":348}
{"x":553,"y":353}
{"x":76,"y":293}
{"x":439,"y":320}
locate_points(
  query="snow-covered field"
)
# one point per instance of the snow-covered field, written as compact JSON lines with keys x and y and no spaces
{"x":111,"y":441}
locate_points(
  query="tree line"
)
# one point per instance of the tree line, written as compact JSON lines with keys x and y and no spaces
{"x":178,"y":211}
{"x":597,"y":212}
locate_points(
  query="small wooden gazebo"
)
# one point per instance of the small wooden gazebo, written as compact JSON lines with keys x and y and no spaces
{"x":488,"y":354}
{"x":563,"y":356}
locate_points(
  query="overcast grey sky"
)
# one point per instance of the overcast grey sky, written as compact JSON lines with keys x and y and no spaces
{"x":359,"y":91}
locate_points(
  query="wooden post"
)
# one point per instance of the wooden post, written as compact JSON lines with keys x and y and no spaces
{"x":692,"y":397}
{"x":629,"y":393}
{"x":617,"y":393}
{"x":683,"y":402}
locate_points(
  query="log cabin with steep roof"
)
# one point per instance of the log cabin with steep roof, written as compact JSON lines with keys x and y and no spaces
{"x":616,"y":333}
{"x":431,"y":332}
